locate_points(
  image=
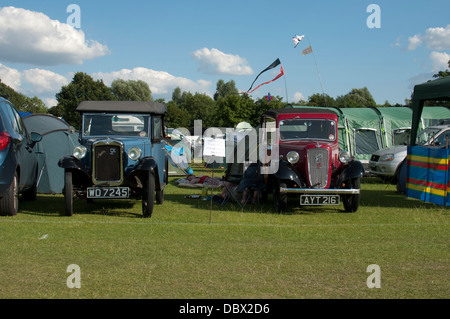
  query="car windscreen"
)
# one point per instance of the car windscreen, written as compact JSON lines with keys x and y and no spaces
{"x":95,"y":124}
{"x":293,"y":129}
{"x":428,"y":137}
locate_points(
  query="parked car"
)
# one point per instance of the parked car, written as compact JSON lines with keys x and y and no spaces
{"x":19,"y":168}
{"x":311,"y":164}
{"x":122,"y":154}
{"x":385,"y":163}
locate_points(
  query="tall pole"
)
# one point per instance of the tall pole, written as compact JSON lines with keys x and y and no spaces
{"x":317,"y":68}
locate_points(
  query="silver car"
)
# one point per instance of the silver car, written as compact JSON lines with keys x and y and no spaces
{"x":385,"y":162}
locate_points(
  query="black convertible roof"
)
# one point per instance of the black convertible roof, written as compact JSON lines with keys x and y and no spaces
{"x":122,"y":107}
{"x":275,"y":112}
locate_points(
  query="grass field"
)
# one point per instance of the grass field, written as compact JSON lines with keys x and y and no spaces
{"x":188,"y":250}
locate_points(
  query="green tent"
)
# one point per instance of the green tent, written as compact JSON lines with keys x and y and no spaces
{"x":396,"y":125}
{"x":364,"y":131}
{"x":438,"y":89}
{"x":433,"y":115}
{"x":58,"y":140}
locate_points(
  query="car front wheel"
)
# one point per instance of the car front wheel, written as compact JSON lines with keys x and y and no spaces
{"x":148,"y":198}
{"x":351,"y":202}
{"x":280,"y":200}
{"x":68,"y":193}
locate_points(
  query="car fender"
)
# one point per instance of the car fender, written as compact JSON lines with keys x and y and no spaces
{"x":80,"y":175}
{"x":287,"y":173}
{"x":353,"y":169}
{"x":146,"y":165}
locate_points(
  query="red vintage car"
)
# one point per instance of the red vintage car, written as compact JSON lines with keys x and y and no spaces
{"x":311,"y":166}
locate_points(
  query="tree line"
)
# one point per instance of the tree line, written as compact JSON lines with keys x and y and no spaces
{"x":226,"y":108}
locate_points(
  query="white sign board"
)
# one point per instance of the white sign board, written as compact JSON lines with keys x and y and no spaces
{"x":214,"y":147}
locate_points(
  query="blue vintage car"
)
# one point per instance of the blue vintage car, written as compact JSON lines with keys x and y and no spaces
{"x":18,"y":163}
{"x":122,"y":154}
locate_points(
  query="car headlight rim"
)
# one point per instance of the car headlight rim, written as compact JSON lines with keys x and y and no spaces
{"x":79,"y":152}
{"x":344,"y":157}
{"x":292,"y":157}
{"x":387,"y":158}
{"x":134,"y":153}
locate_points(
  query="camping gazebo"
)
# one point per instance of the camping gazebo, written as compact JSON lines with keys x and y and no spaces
{"x":428,"y":167}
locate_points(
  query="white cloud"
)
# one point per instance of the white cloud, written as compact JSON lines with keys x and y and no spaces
{"x":434,"y":39}
{"x":43,"y":81}
{"x":439,"y":61}
{"x":34,"y":82}
{"x":414,"y":42}
{"x":10,"y":77}
{"x":32,"y":37}
{"x":160,"y":82}
{"x":216,"y":62}
{"x":298,"y":96}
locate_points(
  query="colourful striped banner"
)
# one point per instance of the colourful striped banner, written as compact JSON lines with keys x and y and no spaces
{"x":428,"y":174}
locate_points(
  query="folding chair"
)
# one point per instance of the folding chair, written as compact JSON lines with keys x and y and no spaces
{"x":252,"y":184}
{"x":249,"y":181}
{"x":232,"y":178}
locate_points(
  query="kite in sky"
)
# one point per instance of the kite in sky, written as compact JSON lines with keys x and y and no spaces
{"x":297,"y":39}
{"x":272,"y":66}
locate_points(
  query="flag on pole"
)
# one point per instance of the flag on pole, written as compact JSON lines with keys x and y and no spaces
{"x":307,"y":50}
{"x":272,"y":66}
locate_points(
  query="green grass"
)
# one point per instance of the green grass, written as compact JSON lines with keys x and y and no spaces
{"x":188,"y":250}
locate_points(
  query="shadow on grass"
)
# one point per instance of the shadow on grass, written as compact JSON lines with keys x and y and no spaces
{"x":49,"y":205}
{"x":392,"y":199}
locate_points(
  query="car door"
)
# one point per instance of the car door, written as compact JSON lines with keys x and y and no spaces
{"x":24,"y":153}
{"x":158,"y":147}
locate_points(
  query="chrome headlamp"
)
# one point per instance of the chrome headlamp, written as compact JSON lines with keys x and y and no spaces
{"x":345,"y":157}
{"x":134,"y":153}
{"x":292,"y":157}
{"x":79,"y":152}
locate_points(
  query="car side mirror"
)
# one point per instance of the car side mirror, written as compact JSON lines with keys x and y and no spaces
{"x":35,"y":138}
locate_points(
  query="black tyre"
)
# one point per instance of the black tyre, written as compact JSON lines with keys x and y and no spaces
{"x":280,"y":200}
{"x":148,"y":198}
{"x":160,"y":197}
{"x":351,"y":202}
{"x":9,"y":203}
{"x":68,"y":193}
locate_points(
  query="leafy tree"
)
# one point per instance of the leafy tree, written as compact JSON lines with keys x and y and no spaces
{"x":262,"y":105}
{"x":131,"y":90}
{"x":443,"y":74}
{"x":356,"y":98}
{"x":223,"y":89}
{"x":198,"y":106}
{"x":177,"y":117}
{"x":82,"y":88}
{"x":21,"y":102}
{"x":233,"y":109}
{"x":176,"y":95}
{"x":321,"y":100}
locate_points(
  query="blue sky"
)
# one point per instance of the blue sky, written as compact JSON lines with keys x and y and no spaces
{"x":193,"y":44}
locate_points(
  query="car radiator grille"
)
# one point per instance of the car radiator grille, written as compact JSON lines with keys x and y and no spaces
{"x":318,"y":164}
{"x":107,"y":163}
